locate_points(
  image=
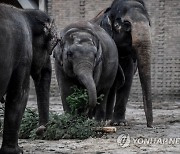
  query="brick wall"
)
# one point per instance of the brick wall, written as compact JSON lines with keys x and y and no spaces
{"x":165,"y":17}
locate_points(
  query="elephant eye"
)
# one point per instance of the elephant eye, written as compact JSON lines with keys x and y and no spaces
{"x":117,"y":27}
{"x":117,"y":24}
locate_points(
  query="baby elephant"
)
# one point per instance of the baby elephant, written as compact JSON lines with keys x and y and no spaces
{"x":87,"y":57}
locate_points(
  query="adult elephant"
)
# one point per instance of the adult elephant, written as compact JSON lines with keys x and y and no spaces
{"x":127,"y":22}
{"x":87,"y":58}
{"x":26,"y":42}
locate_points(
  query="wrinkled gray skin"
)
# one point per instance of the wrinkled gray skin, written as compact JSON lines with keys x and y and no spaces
{"x":127,"y":22}
{"x":26,"y":43}
{"x":88,"y":58}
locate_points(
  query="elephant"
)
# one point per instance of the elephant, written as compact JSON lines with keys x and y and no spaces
{"x":87,"y":58}
{"x":27,"y":40}
{"x":128,"y":23}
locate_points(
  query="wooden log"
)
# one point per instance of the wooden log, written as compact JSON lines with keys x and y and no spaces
{"x":105,"y":129}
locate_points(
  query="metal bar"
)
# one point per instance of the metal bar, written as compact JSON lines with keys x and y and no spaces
{"x":28,"y":4}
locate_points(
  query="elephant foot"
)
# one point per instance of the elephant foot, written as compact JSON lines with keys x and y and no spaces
{"x":10,"y":150}
{"x":99,"y":118}
{"x":120,"y":122}
{"x":149,"y":125}
{"x":40,"y":130}
{"x":108,"y":123}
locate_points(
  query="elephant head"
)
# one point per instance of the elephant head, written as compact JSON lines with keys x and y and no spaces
{"x":127,"y":22}
{"x":79,"y":54}
{"x":44,"y":37}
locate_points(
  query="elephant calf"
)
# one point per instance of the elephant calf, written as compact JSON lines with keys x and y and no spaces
{"x":87,"y":57}
{"x":26,"y":42}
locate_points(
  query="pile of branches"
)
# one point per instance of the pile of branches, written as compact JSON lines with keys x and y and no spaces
{"x":64,"y":126}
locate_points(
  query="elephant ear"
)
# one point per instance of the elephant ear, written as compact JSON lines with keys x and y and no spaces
{"x":48,"y":27}
{"x":51,"y":35}
{"x":58,"y":51}
{"x":106,"y":22}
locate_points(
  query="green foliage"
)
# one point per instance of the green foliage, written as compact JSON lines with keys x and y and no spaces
{"x":28,"y":124}
{"x":100,"y":98}
{"x":64,"y":126}
{"x":78,"y":100}
{"x":67,"y":126}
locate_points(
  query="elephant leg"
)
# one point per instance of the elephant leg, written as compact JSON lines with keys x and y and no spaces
{"x":65,"y":92}
{"x":101,"y":108}
{"x":16,"y":100}
{"x":42,"y":86}
{"x":118,"y":83}
{"x":122,"y":93}
{"x":110,"y":103}
{"x":65,"y":85}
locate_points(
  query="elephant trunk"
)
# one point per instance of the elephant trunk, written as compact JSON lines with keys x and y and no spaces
{"x":142,"y":43}
{"x":84,"y":73}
